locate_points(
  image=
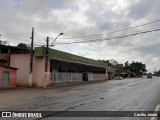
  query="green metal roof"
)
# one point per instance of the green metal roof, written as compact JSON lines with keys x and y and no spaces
{"x":59,"y":55}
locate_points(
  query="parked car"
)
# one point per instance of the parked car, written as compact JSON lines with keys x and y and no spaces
{"x":119,"y":78}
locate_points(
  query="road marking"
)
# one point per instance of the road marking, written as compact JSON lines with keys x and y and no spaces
{"x":157,"y":109}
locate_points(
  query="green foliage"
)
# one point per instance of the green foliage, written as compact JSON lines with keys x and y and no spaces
{"x":138,"y":68}
{"x":158,"y":73}
{"x":126,"y":64}
{"x":23,"y":46}
{"x":3,"y":42}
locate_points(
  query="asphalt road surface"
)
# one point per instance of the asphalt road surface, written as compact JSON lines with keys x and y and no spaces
{"x":139,"y":94}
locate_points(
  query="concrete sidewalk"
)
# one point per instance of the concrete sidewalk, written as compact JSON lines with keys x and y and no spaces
{"x":21,"y":95}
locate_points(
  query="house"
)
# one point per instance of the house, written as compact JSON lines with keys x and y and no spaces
{"x":6,"y":50}
{"x":8,"y":73}
{"x":116,"y":71}
{"x":7,"y":77}
{"x":62,"y":67}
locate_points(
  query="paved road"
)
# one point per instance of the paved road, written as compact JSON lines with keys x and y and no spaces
{"x":140,"y":94}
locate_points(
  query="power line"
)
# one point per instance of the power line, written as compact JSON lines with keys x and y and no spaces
{"x":18,"y":33}
{"x":113,"y":31}
{"x":110,"y":38}
{"x":18,"y":36}
{"x":22,"y":37}
{"x":67,"y":48}
{"x":15,"y":36}
{"x":114,"y":36}
{"x":19,"y":39}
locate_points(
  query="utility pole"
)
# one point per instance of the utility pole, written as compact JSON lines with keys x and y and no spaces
{"x":46,"y":64}
{"x":46,"y":75}
{"x":31,"y":59}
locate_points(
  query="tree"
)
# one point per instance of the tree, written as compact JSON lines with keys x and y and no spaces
{"x":113,"y":62}
{"x":126,"y":66}
{"x":138,"y":68}
{"x":3,"y":42}
{"x":23,"y":46}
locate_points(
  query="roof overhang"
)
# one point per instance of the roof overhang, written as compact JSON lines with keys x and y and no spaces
{"x":79,"y":63}
{"x":9,"y":67}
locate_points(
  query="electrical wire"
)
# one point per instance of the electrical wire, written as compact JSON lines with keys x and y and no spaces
{"x":111,"y":38}
{"x":117,"y":34}
{"x":120,"y":34}
{"x":67,"y":48}
{"x":17,"y":34}
{"x":113,"y":31}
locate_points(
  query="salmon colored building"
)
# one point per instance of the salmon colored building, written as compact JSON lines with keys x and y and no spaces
{"x":8,"y":77}
{"x":22,"y":62}
{"x":62,"y":68}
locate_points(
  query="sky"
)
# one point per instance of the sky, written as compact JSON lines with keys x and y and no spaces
{"x":78,"y":19}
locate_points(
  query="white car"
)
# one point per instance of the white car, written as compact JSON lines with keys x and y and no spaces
{"x":119,"y":78}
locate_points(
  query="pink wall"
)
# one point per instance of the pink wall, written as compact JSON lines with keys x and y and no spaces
{"x":107,"y":77}
{"x":38,"y":71}
{"x":21,"y":61}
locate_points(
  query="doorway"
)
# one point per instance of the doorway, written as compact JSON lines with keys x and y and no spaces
{"x":5,"y":79}
{"x":85,"y":76}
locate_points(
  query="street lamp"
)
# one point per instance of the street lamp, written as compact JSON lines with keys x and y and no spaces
{"x":56,"y":39}
{"x":46,"y":63}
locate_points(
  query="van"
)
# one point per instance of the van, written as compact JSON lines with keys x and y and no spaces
{"x":149,"y":75}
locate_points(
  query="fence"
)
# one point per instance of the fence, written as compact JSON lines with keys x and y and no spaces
{"x":65,"y":77}
{"x":96,"y":76}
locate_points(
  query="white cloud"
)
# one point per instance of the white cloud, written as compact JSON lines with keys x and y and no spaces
{"x":85,"y":17}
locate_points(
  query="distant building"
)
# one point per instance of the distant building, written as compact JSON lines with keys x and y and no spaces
{"x":157,"y":73}
{"x":116,"y":71}
{"x":117,"y":66}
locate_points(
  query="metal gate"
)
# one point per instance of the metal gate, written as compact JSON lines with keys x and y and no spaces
{"x":5,"y":79}
{"x":64,"y":77}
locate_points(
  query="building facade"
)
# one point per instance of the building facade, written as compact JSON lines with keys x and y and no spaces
{"x":61,"y":68}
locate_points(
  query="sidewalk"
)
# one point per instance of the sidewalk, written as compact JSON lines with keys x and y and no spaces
{"x":22,"y":95}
